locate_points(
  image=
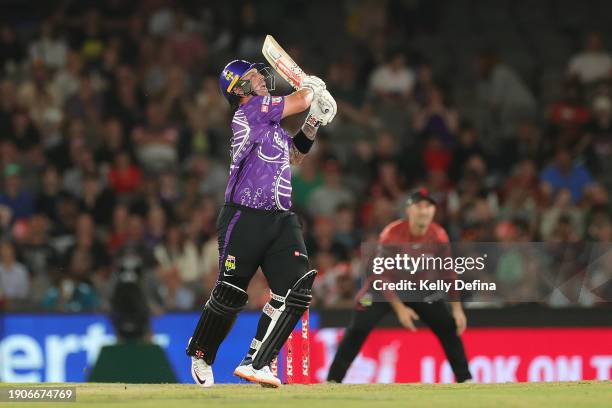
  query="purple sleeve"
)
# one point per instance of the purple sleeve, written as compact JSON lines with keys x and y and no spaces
{"x":267,"y":109}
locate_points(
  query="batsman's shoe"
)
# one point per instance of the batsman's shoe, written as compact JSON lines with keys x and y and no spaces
{"x":263,"y":376}
{"x":201,"y":372}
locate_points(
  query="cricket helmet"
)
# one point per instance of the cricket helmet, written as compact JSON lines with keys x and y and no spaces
{"x":230,"y":77}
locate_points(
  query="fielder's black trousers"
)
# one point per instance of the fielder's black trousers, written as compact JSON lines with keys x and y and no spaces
{"x":436,"y":315}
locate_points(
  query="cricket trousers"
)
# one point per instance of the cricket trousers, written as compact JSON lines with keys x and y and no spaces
{"x":436,"y":315}
{"x":273,"y":240}
{"x":251,"y":238}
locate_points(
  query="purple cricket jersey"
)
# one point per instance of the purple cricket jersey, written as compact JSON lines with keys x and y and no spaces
{"x":260,"y":174}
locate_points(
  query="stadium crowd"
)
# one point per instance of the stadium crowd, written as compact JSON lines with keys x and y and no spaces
{"x":114,"y":140}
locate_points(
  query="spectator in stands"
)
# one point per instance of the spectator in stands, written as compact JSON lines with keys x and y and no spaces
{"x":125,"y":98}
{"x":65,"y":82}
{"x":87,"y":103}
{"x":564,"y":172}
{"x":8,"y":103}
{"x":388,"y":182}
{"x":113,"y":142}
{"x":118,"y":232}
{"x":73,"y":291}
{"x":187,"y":47}
{"x":437,"y":118}
{"x":156,"y":226}
{"x":467,"y":146}
{"x":96,"y":200}
{"x":124,"y":177}
{"x":39,"y":256}
{"x":179,"y":266}
{"x":504,"y":96}
{"x":306,"y":179}
{"x":424,"y":84}
{"x":519,"y":268}
{"x":199,"y":138}
{"x":346,"y":231}
{"x":14,"y":279}
{"x":156,"y":140}
{"x":210,"y":104}
{"x":598,"y":144}
{"x":599,"y":275}
{"x":36,"y":94}
{"x":13,"y":196}
{"x":593,"y":63}
{"x":392,"y":81}
{"x":600,"y":227}
{"x":336,"y":289}
{"x":341,"y":82}
{"x":562,"y":211}
{"x":567,"y":119}
{"x":323,"y":239}
{"x":325,"y":199}
{"x":90,"y":39}
{"x":90,"y":248}
{"x":25,"y":134}
{"x":520,"y":194}
{"x":212,"y":175}
{"x":436,"y":156}
{"x":83,"y":164}
{"x":526,"y":145}
{"x":63,"y":228}
{"x":47,"y":199}
{"x":49,"y":47}
{"x":11,"y":51}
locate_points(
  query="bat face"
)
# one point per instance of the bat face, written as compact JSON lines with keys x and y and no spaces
{"x":282,"y":62}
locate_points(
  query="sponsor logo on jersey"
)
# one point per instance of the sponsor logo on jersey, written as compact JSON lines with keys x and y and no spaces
{"x":266,"y":100}
{"x":279,"y":141}
{"x":230,"y":263}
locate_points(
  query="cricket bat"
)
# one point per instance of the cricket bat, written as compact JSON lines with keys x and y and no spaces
{"x":282,"y":63}
{"x":278,"y":59}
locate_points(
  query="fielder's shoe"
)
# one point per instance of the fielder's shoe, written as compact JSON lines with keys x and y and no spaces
{"x":263,"y":376}
{"x":201,"y":372}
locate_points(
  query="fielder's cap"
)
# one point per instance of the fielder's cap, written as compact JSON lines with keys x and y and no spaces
{"x":420,"y":194}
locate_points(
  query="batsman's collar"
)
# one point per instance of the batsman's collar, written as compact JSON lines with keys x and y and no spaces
{"x":419,"y":195}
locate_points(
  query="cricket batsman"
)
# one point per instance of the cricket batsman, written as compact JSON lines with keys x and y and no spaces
{"x":447,"y":325}
{"x":255,"y":226}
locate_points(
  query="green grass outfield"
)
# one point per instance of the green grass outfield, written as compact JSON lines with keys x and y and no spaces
{"x":539,"y":395}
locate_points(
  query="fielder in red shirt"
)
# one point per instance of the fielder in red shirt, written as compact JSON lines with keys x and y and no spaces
{"x":446,"y":319}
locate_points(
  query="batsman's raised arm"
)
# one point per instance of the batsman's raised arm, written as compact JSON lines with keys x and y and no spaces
{"x":301,"y":99}
{"x":322,"y":112}
{"x":297,"y":102}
